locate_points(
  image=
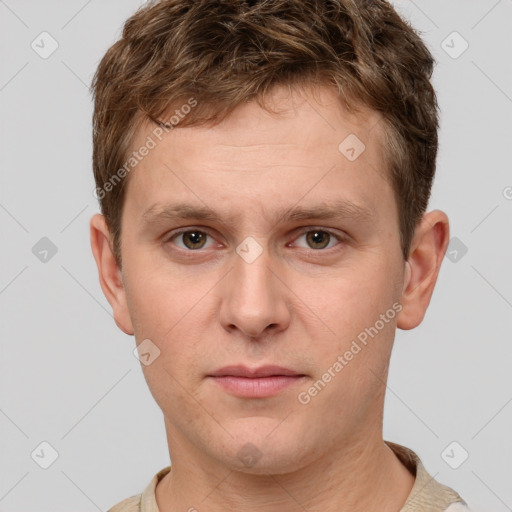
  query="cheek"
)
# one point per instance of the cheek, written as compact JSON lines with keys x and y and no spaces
{"x":159,"y":297}
{"x":354,"y":298}
{"x":169,"y":309}
{"x":351,"y":306}
{"x":353,"y":355}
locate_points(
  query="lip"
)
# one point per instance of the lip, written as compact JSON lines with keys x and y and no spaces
{"x":261,"y":371}
{"x":261,"y":382}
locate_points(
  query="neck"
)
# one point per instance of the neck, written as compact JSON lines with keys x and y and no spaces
{"x":361,"y":476}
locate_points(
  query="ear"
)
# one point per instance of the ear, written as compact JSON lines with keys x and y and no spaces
{"x":109,"y":273}
{"x":427,"y":251}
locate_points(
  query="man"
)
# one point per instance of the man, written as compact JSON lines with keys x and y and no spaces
{"x":263,"y":170}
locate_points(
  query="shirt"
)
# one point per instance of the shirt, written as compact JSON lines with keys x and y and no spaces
{"x":427,"y":494}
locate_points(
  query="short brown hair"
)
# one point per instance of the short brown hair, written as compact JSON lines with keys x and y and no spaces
{"x":226,"y":52}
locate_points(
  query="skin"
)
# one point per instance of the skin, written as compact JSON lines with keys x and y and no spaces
{"x":298,"y":305}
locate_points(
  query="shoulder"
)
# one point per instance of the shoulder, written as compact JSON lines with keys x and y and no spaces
{"x":144,"y":502}
{"x":131,"y":504}
{"x":427,"y":493}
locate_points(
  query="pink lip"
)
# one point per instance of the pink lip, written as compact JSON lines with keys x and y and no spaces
{"x":259,"y":382}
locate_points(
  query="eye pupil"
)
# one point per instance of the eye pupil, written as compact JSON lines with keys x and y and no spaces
{"x":319,"y":237}
{"x":196,"y":237}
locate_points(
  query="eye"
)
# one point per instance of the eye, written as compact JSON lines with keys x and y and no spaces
{"x":191,"y":239}
{"x":317,"y":239}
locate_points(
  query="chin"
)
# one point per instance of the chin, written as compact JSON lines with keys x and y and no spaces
{"x":269,"y":463}
{"x":261,"y":450}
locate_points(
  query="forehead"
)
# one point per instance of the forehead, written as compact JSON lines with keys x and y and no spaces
{"x":317,"y":110}
{"x":311,"y":146}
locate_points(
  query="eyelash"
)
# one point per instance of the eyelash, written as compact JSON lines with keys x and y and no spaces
{"x":340,"y":238}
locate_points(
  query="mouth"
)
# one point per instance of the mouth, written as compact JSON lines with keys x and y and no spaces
{"x":262,"y":382}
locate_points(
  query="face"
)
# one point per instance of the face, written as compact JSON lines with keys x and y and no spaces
{"x":265,"y":240}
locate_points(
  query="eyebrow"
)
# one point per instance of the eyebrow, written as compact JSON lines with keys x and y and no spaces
{"x":339,"y":209}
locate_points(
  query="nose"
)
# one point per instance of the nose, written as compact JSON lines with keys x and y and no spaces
{"x":254,"y":297}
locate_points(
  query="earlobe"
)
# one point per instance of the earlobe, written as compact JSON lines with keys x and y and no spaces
{"x":109,"y":273}
{"x":428,"y":248}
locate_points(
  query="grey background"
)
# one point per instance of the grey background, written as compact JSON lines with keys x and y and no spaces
{"x":68,"y":375}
